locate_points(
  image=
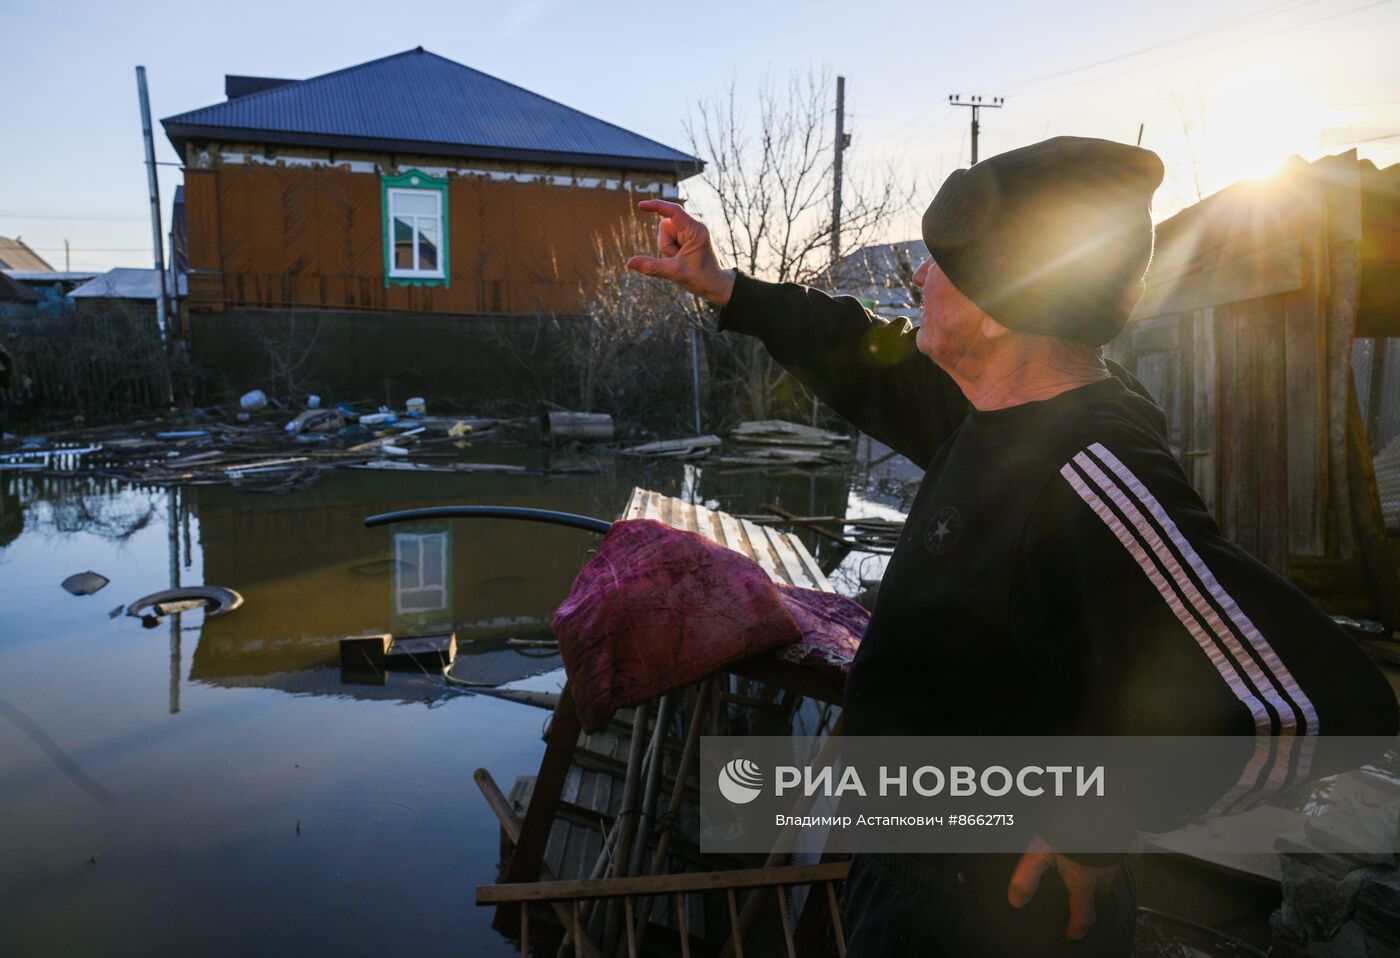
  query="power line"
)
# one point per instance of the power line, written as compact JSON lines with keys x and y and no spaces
{"x":1277,"y":9}
{"x":91,"y":249}
{"x":85,"y":217}
{"x":1292,"y":5}
{"x":1288,"y":6}
{"x":1197,"y":53}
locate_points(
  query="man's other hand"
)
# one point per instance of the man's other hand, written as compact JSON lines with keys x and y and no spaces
{"x":1083,"y":882}
{"x":687,"y":257}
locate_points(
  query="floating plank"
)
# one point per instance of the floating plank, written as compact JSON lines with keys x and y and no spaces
{"x":782,"y":431}
{"x":674,"y":448}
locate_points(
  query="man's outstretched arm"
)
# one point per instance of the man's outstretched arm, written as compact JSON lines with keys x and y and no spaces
{"x":868,"y":369}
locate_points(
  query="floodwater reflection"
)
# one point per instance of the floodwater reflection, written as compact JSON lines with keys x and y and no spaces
{"x":214,"y":786}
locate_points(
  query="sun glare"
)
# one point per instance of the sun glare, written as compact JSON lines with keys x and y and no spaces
{"x":1253,"y":121}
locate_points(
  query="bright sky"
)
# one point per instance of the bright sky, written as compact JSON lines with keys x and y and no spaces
{"x":1223,"y":88}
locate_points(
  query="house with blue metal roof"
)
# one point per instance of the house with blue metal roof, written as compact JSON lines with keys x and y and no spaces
{"x":411,"y":184}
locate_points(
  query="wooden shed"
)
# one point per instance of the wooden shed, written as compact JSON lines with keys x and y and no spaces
{"x":1266,"y":333}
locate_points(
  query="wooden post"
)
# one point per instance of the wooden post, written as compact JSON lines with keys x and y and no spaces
{"x":1371,"y":539}
{"x":544,"y":802}
{"x":505,"y":815}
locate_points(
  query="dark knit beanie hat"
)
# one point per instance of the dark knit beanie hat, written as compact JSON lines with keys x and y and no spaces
{"x":1047,"y":238}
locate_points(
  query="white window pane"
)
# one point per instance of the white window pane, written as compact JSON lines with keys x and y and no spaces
{"x":434,"y":560}
{"x":419,"y":203}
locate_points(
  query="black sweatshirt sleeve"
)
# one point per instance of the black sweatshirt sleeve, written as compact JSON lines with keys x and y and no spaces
{"x":1135,"y":605}
{"x":866,"y":368}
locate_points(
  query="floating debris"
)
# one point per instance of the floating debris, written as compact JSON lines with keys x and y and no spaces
{"x":771,"y":442}
{"x":216,"y":600}
{"x":784,"y":433}
{"x":689,"y":448}
{"x":316,"y":420}
{"x":365,"y":652}
{"x":85,"y":583}
{"x":427,"y":653}
{"x":585,"y":426}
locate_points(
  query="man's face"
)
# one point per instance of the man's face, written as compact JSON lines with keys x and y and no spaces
{"x":952,"y":326}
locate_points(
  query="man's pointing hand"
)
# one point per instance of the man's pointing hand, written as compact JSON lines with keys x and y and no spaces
{"x":687,"y":257}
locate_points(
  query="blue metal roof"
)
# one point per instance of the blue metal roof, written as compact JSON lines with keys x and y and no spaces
{"x":419,"y":102}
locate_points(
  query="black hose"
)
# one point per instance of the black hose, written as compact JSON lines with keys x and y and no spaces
{"x":587,"y":523}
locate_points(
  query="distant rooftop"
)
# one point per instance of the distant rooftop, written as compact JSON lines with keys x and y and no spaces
{"x":419,"y":102}
{"x":123,"y":283}
{"x":49,"y":276}
{"x":880,"y":276}
{"x":14,"y":254}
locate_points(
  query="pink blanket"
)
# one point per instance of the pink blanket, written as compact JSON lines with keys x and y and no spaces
{"x":656,"y":609}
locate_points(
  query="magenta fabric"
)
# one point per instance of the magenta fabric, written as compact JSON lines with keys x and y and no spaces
{"x":656,"y":609}
{"x":831,"y":627}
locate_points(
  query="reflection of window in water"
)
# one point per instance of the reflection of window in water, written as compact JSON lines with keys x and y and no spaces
{"x":421,"y":573}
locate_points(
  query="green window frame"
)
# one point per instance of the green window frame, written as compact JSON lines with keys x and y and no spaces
{"x":416,"y":249}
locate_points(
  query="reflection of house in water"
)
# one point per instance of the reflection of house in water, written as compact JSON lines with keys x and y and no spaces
{"x":422,"y":568}
{"x":310,"y":573}
{"x":11,"y":511}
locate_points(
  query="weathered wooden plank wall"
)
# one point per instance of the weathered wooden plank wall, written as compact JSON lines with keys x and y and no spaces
{"x":275,"y":236}
{"x":1266,"y":284}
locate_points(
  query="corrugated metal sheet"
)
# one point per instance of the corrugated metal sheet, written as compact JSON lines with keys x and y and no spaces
{"x":123,"y":283}
{"x":781,"y":554}
{"x":1387,"y":464}
{"x":419,"y":101}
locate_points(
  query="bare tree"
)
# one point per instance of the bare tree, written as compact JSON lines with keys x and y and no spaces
{"x":630,"y":346}
{"x":769,"y":184}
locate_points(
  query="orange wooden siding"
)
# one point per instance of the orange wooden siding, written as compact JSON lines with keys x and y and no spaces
{"x":270,"y":236}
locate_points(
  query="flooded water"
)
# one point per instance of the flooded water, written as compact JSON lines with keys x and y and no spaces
{"x":213,"y":787}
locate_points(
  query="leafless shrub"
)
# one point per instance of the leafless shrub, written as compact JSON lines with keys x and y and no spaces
{"x":103,"y":363}
{"x":629,"y":350}
{"x":285,"y":345}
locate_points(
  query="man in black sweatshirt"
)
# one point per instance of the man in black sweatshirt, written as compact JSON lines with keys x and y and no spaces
{"x":1058,"y":574}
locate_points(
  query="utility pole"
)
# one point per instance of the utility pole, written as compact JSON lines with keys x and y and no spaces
{"x":976,"y":103}
{"x":67,"y":266}
{"x":162,"y":314}
{"x":843,"y":140}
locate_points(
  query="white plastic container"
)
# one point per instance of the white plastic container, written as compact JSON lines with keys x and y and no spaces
{"x":416,"y":406}
{"x":257,"y":399}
